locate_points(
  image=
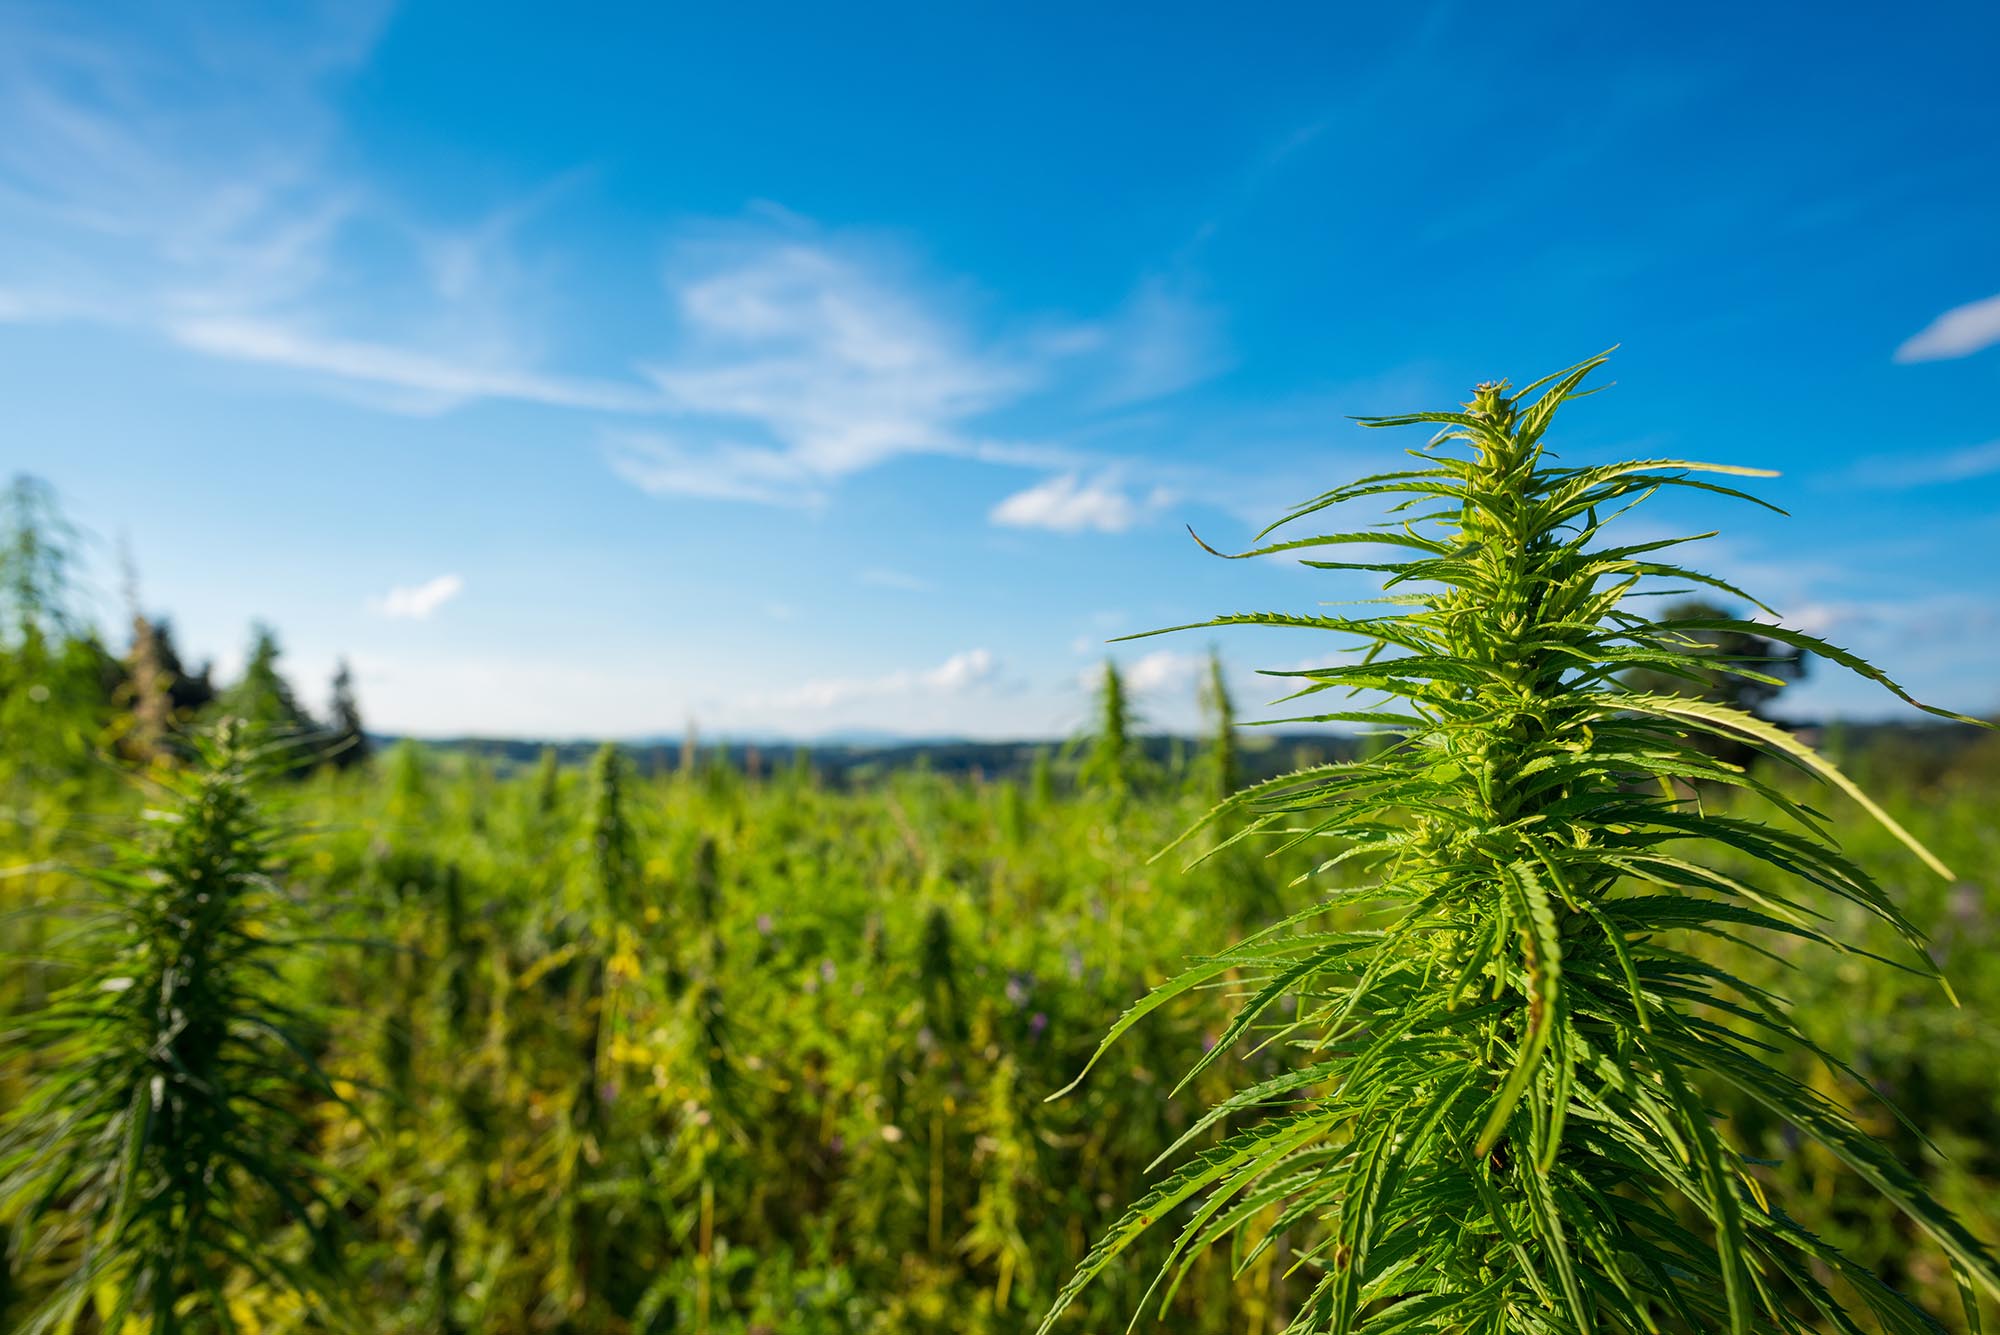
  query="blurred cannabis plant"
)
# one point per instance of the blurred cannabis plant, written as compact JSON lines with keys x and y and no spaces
{"x":163,"y":1149}
{"x":1495,"y":1120}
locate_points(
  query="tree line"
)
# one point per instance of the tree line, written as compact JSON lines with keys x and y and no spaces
{"x":67,"y":696}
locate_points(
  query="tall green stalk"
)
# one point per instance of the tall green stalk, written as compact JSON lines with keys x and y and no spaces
{"x":614,"y":849}
{"x":1495,"y":1117}
{"x":164,"y":1144}
{"x":1109,"y":765}
{"x":1223,"y":770}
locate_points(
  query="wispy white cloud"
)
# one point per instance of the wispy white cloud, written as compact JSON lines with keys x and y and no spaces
{"x":183,"y":176}
{"x":417,"y":602}
{"x":173,"y":142}
{"x":804,"y":359}
{"x":1941,"y":616}
{"x":190,"y":179}
{"x":397,"y":368}
{"x":667,"y":465}
{"x":1163,"y":340}
{"x":1168,"y":680}
{"x":1920,"y":470}
{"x":171,"y":163}
{"x":956,"y":675}
{"x":1068,"y":503}
{"x":1165,"y":669}
{"x":435,"y":690}
{"x":883,"y":578}
{"x":1959,"y":332}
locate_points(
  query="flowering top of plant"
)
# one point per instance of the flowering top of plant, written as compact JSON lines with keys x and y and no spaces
{"x":1495,"y":1117}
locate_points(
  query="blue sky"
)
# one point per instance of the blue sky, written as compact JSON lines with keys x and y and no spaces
{"x":803,"y":369}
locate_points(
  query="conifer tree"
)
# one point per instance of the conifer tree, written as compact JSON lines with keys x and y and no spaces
{"x":191,"y":690}
{"x":262,"y":699}
{"x":350,"y":745}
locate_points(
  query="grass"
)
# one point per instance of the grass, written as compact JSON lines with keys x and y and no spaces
{"x":812,"y":1120}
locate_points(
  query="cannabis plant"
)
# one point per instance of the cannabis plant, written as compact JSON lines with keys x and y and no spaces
{"x":1115,"y":762}
{"x":1221,"y":711}
{"x":614,"y":857}
{"x":161,"y":1148}
{"x":1496,"y":1117}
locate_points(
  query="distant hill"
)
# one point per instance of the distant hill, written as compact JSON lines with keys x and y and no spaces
{"x":1921,"y":750}
{"x":850,"y":759}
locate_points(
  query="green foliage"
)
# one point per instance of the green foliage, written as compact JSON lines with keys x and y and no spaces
{"x":1042,"y":777}
{"x":37,"y":550}
{"x":57,"y":681}
{"x":1497,"y":1110}
{"x":794,"y":1080}
{"x":264,"y":701}
{"x":409,"y":782}
{"x":773,"y":1083}
{"x":1717,"y":651}
{"x":160,"y":1152}
{"x":1717,"y":647}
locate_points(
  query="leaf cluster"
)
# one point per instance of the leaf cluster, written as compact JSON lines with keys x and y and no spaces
{"x":1496,"y":1109}
{"x":165,"y":1148}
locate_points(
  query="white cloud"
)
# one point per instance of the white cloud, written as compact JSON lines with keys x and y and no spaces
{"x":1917,"y":470}
{"x":896,"y":579}
{"x":805,"y":357}
{"x":1068,"y":504}
{"x":1159,"y":672}
{"x":665,"y":465}
{"x":438,"y":691}
{"x":440,"y":694}
{"x":804,"y":360}
{"x":1161,"y":342}
{"x":1165,"y":669}
{"x":1936,"y":617}
{"x":396,"y":368}
{"x":1820,"y":619}
{"x":180,"y":176}
{"x":174,"y":149}
{"x":960,"y":671}
{"x":189,"y":179}
{"x":417,"y":602}
{"x":956,"y":675}
{"x":1959,"y":332}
